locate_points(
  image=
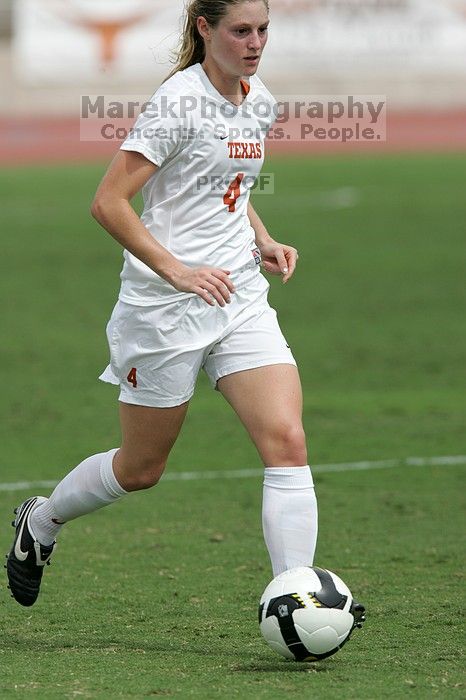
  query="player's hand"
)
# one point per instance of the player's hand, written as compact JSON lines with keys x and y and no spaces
{"x":210,"y":283}
{"x":279,"y":259}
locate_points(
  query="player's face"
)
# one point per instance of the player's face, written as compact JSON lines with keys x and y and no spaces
{"x":239,"y":38}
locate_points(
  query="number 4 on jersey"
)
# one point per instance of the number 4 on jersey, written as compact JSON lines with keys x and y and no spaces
{"x":233,"y":192}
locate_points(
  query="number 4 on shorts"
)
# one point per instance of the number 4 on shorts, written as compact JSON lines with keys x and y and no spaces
{"x":132,"y":377}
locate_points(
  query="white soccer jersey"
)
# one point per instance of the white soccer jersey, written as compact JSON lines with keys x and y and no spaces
{"x":209,"y":153}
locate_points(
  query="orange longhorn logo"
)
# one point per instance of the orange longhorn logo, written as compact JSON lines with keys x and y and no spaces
{"x":107,"y":29}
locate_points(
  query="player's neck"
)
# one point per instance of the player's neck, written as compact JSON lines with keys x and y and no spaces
{"x":227,"y":85}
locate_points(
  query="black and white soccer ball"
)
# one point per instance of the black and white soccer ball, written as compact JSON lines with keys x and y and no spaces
{"x":308,"y":613}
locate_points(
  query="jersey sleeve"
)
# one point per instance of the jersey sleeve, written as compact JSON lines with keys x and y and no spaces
{"x":160,"y":132}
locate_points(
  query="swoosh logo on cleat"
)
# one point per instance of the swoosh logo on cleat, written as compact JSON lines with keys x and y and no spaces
{"x":40,"y":561}
{"x":19,"y":554}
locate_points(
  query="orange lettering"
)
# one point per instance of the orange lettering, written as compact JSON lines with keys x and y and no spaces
{"x":132,"y":378}
{"x":232,"y":193}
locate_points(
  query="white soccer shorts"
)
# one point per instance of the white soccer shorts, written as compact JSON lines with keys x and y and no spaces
{"x":156,"y":352}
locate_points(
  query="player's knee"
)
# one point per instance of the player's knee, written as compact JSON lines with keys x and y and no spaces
{"x":289,"y":445}
{"x":144,"y":475}
{"x":294,"y":440}
{"x":149,"y":478}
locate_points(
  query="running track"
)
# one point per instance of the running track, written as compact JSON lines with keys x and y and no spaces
{"x":56,"y":140}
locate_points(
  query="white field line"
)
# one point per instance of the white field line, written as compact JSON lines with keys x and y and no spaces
{"x":248,"y":473}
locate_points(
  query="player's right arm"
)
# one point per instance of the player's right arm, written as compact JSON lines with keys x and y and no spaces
{"x":126,"y":175}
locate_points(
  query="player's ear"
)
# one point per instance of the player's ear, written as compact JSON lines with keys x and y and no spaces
{"x":203,"y":27}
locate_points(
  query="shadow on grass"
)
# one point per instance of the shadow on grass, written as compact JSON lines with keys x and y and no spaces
{"x":242,"y":662}
{"x":282,"y":666}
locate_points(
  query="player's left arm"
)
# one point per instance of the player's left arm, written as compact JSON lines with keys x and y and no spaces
{"x":277,"y":258}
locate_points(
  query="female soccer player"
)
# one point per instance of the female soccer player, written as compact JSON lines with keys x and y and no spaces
{"x":192,"y":294}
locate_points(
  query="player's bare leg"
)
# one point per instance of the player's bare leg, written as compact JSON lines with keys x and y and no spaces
{"x":268,"y":401}
{"x":148,"y":436}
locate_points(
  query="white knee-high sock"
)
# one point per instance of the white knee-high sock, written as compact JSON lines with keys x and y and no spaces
{"x":289,"y":517}
{"x":90,"y":486}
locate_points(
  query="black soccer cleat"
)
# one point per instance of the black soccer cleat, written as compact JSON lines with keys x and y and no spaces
{"x":27,"y":558}
{"x":358,"y":611}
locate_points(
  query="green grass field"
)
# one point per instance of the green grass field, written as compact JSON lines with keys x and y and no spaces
{"x":157,"y":596}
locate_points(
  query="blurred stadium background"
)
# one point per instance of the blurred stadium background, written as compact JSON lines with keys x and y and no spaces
{"x":52,"y":51}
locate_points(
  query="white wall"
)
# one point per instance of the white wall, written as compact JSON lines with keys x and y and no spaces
{"x":412,"y":50}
